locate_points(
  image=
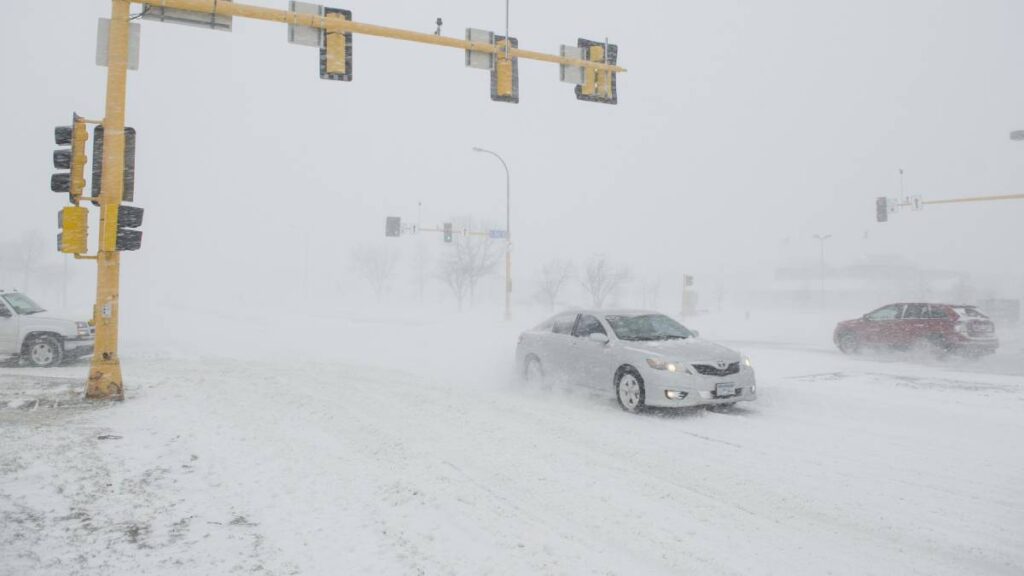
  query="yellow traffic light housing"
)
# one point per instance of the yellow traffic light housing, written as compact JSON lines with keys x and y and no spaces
{"x":336,"y":49}
{"x":599,"y":85}
{"x":72,"y":159}
{"x":505,"y":74}
{"x":73,"y":222}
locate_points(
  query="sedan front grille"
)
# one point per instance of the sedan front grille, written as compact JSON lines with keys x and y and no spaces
{"x":714,"y":370}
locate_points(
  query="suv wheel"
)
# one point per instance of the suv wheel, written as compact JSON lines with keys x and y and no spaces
{"x":849,"y":343}
{"x":44,"y":352}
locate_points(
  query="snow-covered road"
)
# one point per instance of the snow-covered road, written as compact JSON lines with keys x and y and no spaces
{"x":270,"y":466}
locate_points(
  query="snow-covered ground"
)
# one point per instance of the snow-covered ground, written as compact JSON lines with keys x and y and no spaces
{"x":363,"y":443}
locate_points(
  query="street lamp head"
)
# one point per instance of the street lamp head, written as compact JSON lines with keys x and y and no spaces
{"x":477,"y":149}
{"x":1017,"y":135}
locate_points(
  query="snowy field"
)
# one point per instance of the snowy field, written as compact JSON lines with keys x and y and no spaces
{"x":344,"y":443}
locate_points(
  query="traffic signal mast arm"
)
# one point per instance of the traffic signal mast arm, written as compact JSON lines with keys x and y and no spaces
{"x":976,"y":199}
{"x":213,"y":7}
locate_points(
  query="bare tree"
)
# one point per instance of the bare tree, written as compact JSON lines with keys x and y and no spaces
{"x":553,"y":277}
{"x":376,"y":264}
{"x":23,"y":256}
{"x":601,"y":279}
{"x":470,"y":258}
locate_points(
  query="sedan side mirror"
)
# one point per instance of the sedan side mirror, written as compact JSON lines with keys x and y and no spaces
{"x":4,"y":312}
{"x":598,"y":337}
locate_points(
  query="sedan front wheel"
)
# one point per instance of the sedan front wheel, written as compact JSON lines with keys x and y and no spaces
{"x":629,"y":389}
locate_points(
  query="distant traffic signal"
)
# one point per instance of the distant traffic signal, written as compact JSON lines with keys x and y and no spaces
{"x":336,"y":48}
{"x":448,"y":232}
{"x":505,"y":73}
{"x":73,"y":222}
{"x":598,"y":85}
{"x":882,"y":209}
{"x":72,"y":159}
{"x":128,"y":190}
{"x":393,"y":227}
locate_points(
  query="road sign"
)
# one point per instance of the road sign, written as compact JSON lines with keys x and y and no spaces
{"x":304,"y":35}
{"x":497,"y":234}
{"x":572,"y":74}
{"x":103,"y":43}
{"x":476,"y":58}
{"x":1017,"y":135}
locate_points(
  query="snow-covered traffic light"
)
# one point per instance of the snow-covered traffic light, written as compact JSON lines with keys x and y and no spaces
{"x":120,"y":230}
{"x":71,"y":159}
{"x":73,"y":222}
{"x":598,"y":85}
{"x":448,"y":232}
{"x":128,"y":190}
{"x":336,"y":48}
{"x":882,"y":209}
{"x":505,"y":73}
{"x":393,"y":227}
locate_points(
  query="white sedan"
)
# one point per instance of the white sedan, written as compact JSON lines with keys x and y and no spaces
{"x":646,"y":358}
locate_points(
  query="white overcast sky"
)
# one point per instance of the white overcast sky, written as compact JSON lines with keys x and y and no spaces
{"x":743,"y":128}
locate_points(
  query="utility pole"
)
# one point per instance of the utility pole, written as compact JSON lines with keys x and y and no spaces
{"x":328,"y":29}
{"x":508,"y":231}
{"x":822,"y":238}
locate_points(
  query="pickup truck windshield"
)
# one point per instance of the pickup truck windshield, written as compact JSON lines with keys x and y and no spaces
{"x":647,"y":327}
{"x":22,"y":304}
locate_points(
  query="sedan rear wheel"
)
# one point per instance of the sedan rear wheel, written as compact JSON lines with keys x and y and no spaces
{"x":533,"y":373}
{"x":629,"y":389}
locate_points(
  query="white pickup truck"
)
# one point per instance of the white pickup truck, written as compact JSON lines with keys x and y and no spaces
{"x":29,"y":333}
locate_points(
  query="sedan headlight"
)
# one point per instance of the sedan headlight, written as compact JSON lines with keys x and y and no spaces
{"x":747,"y":362}
{"x":660,"y":364}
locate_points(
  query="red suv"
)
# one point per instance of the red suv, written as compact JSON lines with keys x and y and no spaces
{"x":942,"y":327}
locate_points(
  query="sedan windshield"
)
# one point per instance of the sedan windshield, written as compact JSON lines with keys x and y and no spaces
{"x":647,"y":327}
{"x":22,"y":304}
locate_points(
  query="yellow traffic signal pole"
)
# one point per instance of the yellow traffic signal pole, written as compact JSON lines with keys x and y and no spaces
{"x":105,"y":381}
{"x":105,"y":372}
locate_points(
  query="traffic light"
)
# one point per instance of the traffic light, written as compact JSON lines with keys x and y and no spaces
{"x":72,"y":159}
{"x":598,"y":85}
{"x":73,"y":222}
{"x":505,"y":73}
{"x":448,"y":232}
{"x":336,"y":49}
{"x":393,"y":227}
{"x":882,"y":209}
{"x":687,"y":280}
{"x":128,"y":191}
{"x":125,"y":236}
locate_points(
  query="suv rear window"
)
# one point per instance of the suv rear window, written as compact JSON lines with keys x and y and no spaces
{"x":969,"y":312}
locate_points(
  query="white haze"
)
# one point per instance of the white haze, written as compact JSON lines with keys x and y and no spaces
{"x":744,"y":128}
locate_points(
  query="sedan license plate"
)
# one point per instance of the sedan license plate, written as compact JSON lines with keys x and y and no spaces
{"x":725,"y":389}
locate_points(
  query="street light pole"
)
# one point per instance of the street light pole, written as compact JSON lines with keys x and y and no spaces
{"x":821,"y":238}
{"x":508,"y":230}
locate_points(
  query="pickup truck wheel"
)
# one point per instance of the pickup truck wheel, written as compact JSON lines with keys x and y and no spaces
{"x":44,"y":352}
